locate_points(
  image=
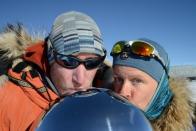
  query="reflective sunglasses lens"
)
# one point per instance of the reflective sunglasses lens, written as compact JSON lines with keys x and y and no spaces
{"x":118,"y":47}
{"x":142,"y":48}
{"x":67,"y":61}
{"x":92,"y":63}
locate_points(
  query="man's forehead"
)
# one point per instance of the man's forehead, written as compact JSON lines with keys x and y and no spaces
{"x":85,"y":55}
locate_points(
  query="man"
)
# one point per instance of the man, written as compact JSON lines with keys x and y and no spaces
{"x":40,"y":73}
{"x":140,"y":70}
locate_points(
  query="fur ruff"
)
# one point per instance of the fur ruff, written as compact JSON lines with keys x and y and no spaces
{"x":179,"y":115}
{"x":14,"y":40}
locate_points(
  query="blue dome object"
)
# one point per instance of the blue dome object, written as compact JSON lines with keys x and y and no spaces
{"x":94,"y":110}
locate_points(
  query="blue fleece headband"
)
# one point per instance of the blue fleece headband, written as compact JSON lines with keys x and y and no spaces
{"x":148,"y":65}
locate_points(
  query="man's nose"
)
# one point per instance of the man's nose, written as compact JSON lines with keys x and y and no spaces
{"x":79,"y":75}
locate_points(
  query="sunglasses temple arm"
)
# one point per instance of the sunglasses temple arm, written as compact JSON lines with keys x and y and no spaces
{"x":162,"y":62}
{"x":164,"y":66}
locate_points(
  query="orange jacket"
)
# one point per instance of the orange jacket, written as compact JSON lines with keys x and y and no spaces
{"x":24,"y":98}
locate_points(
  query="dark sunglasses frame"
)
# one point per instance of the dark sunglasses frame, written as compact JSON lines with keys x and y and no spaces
{"x":89,"y":63}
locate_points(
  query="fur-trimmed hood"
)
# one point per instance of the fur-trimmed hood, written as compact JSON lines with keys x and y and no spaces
{"x":179,"y":114}
{"x":14,"y":40}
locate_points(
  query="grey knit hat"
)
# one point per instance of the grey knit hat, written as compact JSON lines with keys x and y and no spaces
{"x":150,"y":66}
{"x":74,"y":32}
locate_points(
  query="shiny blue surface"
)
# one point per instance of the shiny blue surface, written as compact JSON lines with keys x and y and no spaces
{"x":95,"y":110}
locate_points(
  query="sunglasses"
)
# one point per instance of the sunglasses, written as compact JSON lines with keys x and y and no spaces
{"x":71,"y":62}
{"x":139,"y":48}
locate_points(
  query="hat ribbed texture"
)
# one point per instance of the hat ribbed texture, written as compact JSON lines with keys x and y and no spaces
{"x":75,"y":32}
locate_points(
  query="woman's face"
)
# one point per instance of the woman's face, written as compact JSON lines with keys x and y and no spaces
{"x":135,"y":85}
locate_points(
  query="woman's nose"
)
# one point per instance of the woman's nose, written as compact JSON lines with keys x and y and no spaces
{"x":126,"y":90}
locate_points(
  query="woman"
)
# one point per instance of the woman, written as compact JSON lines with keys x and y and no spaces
{"x":140,"y":70}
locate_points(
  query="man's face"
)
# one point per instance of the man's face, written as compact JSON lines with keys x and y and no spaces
{"x":68,"y":81}
{"x":135,"y":85}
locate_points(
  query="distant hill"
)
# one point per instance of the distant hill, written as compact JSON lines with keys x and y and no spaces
{"x":183,"y":71}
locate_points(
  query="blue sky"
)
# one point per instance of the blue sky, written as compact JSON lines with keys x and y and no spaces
{"x":172,"y":23}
